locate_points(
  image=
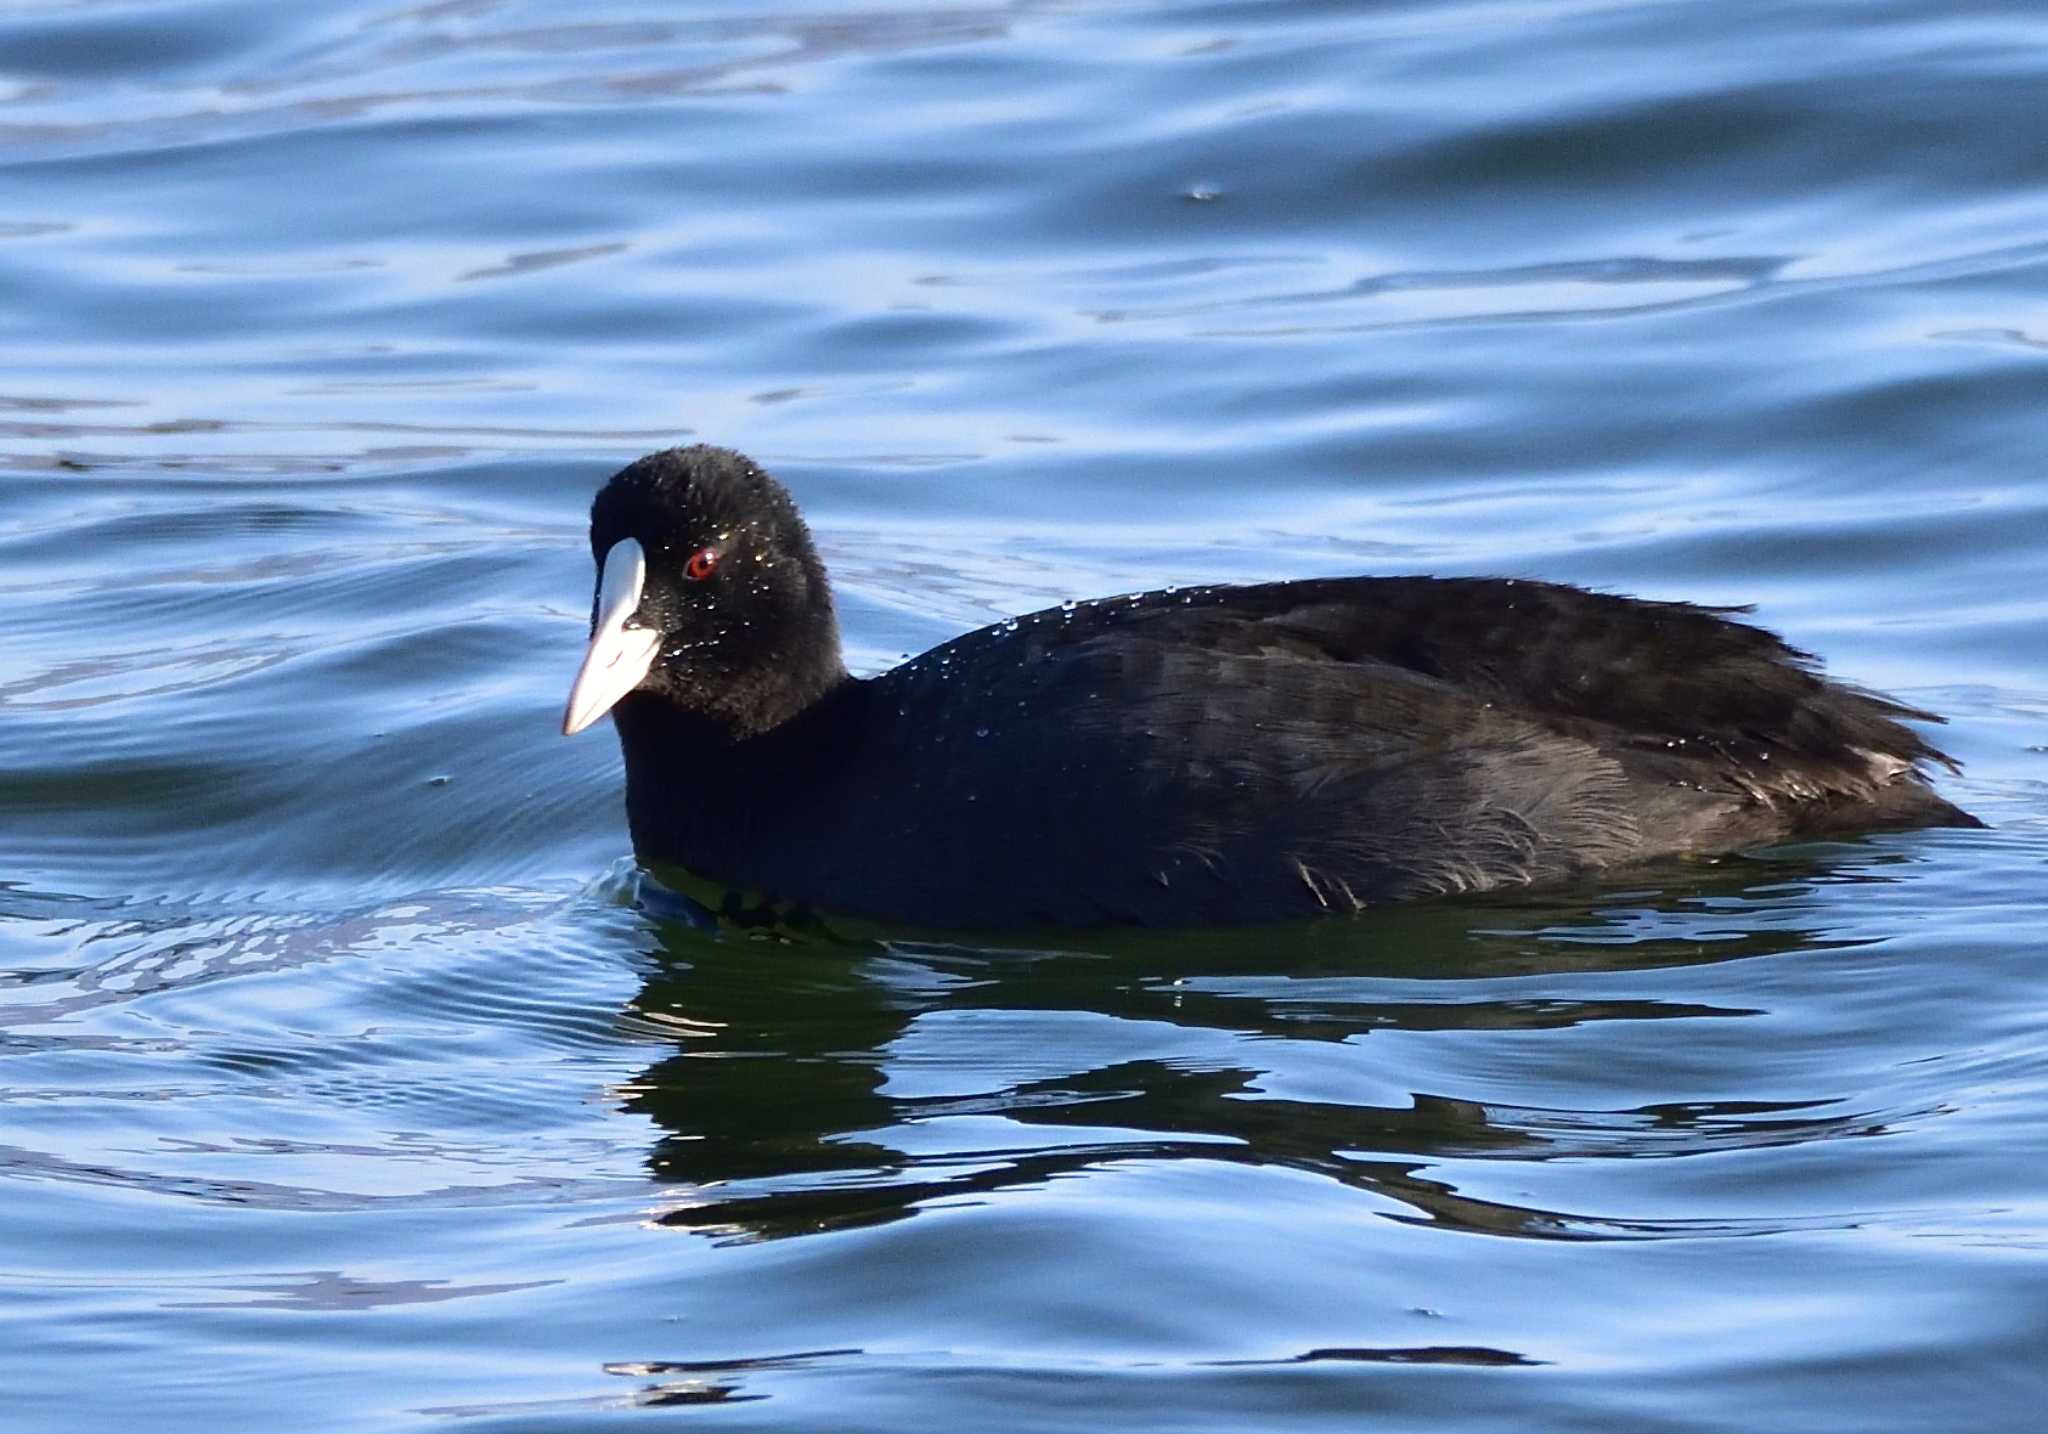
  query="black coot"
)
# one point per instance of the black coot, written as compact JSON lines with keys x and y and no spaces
{"x":1208,"y":755}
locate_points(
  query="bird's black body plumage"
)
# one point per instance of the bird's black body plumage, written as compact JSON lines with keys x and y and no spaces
{"x":1212,"y":755}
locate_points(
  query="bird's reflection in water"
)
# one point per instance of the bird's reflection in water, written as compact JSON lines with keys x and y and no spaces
{"x":800,"y":1099}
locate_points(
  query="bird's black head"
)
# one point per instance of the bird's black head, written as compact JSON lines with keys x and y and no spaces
{"x":710,"y":595}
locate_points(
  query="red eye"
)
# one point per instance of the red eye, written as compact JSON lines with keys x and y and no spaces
{"x":703,"y":563}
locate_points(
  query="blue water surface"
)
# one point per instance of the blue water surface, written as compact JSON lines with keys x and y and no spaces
{"x":350,"y":1079}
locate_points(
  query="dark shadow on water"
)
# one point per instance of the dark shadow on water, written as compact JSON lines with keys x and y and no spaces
{"x":782,"y":1116}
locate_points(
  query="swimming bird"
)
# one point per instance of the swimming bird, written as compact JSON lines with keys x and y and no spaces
{"x":1209,"y":755}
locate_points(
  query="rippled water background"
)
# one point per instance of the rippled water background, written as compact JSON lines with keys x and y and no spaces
{"x":347,"y":1084}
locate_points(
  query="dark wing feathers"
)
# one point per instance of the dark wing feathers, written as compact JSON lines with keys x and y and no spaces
{"x":1329,"y":744}
{"x":1663,"y":668}
{"x":1345,"y":742}
{"x":1616,"y":671}
{"x":1284,"y":784}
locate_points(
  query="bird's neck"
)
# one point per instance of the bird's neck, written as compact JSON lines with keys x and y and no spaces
{"x":700,"y":792}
